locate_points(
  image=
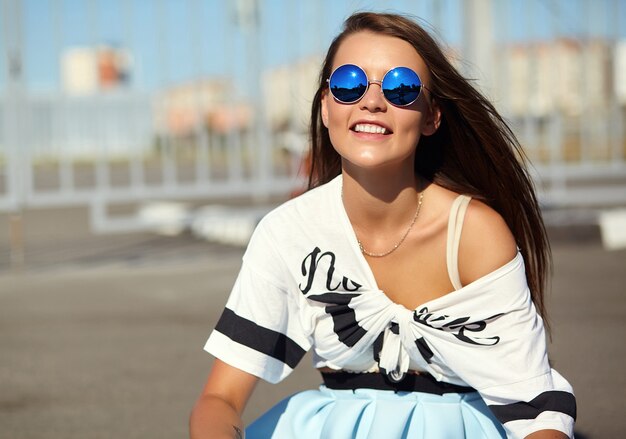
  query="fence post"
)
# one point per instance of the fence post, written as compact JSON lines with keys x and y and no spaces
{"x":12,"y":114}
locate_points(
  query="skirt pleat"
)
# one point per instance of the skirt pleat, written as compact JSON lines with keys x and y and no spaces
{"x":377,"y":414}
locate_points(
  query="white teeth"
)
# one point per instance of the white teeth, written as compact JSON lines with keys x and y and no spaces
{"x":369,"y":128}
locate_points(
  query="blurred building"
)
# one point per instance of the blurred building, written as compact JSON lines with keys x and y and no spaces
{"x":180,"y":109}
{"x":90,"y":70}
{"x":288,"y":92}
{"x":287,"y":95}
{"x":96,"y":107}
{"x":563,"y":75}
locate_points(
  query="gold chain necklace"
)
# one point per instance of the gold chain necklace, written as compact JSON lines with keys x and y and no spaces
{"x":399,"y":243}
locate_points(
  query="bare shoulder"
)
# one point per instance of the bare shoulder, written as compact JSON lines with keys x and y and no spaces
{"x":486,"y":242}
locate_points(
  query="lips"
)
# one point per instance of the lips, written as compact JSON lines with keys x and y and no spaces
{"x":371,"y":128}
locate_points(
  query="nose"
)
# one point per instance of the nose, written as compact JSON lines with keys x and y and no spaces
{"x":373,"y":100}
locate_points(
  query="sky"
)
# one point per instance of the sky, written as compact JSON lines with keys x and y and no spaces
{"x":173,"y":41}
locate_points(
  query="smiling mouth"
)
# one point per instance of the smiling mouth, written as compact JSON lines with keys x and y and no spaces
{"x":370,"y":128}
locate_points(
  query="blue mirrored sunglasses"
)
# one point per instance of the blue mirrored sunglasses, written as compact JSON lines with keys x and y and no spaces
{"x":401,"y":86}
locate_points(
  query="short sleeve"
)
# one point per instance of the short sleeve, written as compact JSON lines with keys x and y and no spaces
{"x":523,"y":392}
{"x":545,"y":402}
{"x":262,"y":329}
{"x":501,"y":352}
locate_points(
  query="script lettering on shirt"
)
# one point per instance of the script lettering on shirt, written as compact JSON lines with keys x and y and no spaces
{"x":459,"y":327}
{"x":309,"y":268}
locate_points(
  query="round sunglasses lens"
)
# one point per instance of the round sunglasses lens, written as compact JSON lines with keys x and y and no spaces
{"x":401,"y":86}
{"x":348,"y":83}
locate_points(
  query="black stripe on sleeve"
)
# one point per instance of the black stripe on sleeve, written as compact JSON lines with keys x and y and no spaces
{"x":554,"y":401}
{"x":266,"y":341}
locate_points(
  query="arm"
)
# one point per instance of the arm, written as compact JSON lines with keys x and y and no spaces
{"x":221,"y":403}
{"x":547,"y":434}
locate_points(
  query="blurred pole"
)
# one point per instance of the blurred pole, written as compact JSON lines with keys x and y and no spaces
{"x":617,"y":121}
{"x":292,"y":18}
{"x":13,"y":126}
{"x":248,"y":14}
{"x":320,"y":23}
{"x":437,"y":8}
{"x":234,"y":124}
{"x":136,"y":157}
{"x":201,"y":155}
{"x":557,"y":124}
{"x":103,"y":177}
{"x":167,"y":156}
{"x":530,"y":120}
{"x":478,"y":44}
{"x":502,"y":57}
{"x":586,"y":113}
{"x":66,"y":168}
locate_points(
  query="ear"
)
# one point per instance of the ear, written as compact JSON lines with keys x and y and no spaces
{"x":433,"y":120}
{"x":324,"y":109}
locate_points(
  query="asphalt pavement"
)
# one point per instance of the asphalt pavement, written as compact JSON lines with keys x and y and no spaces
{"x":101,"y":337}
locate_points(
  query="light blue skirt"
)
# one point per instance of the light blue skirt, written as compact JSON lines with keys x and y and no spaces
{"x":377,"y":414}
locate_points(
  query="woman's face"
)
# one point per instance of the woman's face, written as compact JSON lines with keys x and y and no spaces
{"x":348,"y":124}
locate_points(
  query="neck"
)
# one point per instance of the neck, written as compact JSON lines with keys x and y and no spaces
{"x":381,"y":201}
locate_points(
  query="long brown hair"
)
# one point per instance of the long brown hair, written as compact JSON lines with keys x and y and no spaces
{"x":473,"y":151}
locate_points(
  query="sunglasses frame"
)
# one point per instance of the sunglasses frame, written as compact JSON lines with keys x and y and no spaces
{"x":375,"y":81}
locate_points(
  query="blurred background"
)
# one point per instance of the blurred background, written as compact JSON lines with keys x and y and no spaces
{"x":141,"y":141}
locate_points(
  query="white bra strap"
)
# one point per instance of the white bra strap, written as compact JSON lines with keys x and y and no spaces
{"x":455,"y":225}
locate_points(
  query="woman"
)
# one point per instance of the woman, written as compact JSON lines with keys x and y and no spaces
{"x":419,"y":330}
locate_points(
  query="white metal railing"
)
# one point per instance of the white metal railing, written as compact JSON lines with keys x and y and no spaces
{"x":207,"y":138}
{"x":102,"y":151}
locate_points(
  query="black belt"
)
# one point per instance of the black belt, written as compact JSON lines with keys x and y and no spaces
{"x":422,"y":382}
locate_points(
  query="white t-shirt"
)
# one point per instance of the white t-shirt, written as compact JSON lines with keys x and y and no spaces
{"x":304,"y":283}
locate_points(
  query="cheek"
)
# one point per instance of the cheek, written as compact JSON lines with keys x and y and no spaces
{"x":335,"y":139}
{"x":411,"y":126}
{"x":337,"y":118}
{"x":336,"y":113}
